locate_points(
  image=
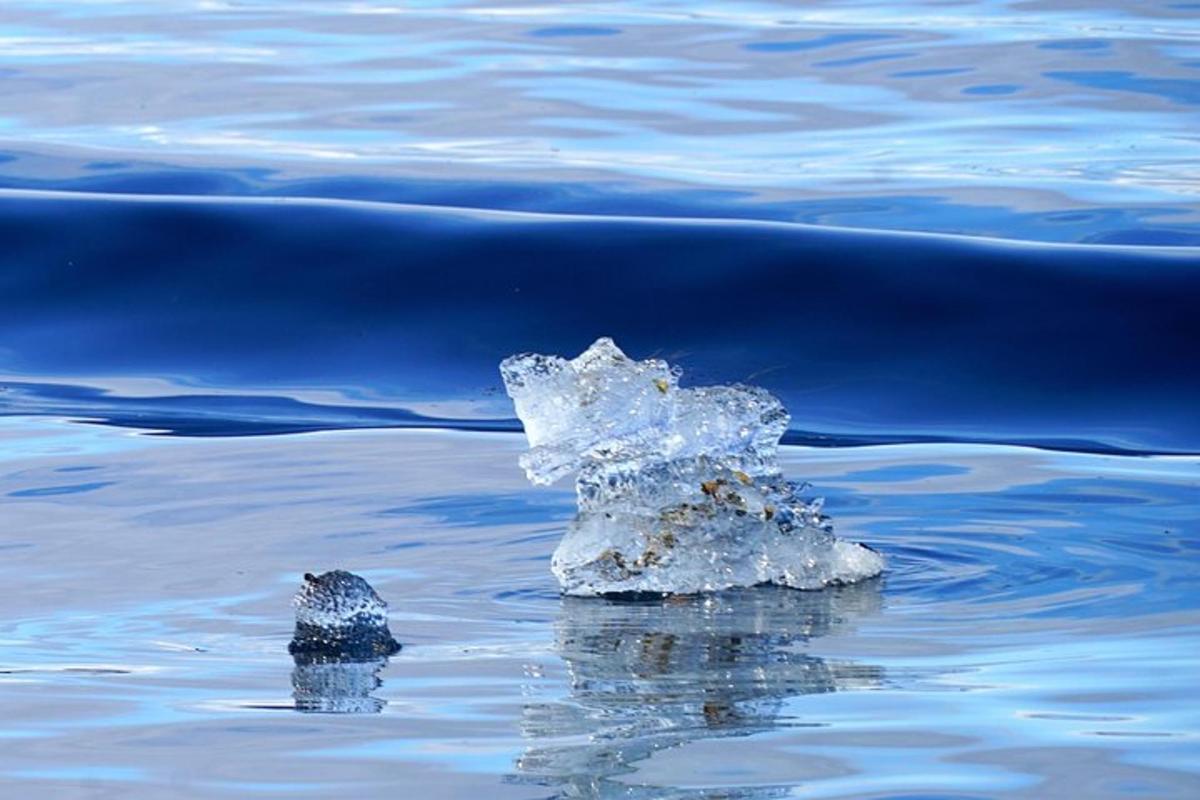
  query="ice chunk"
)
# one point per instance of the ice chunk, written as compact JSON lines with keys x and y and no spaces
{"x":341,"y":643}
{"x":339,"y":616}
{"x":678,"y":489}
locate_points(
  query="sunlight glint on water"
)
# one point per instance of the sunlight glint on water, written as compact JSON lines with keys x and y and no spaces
{"x":1034,"y":120}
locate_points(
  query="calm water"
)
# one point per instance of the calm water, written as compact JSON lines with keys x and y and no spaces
{"x":1035,"y":636}
{"x":259,"y":260}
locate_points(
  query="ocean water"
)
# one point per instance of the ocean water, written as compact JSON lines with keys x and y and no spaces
{"x":1047,"y":120}
{"x":259,"y":260}
{"x":1035,"y":634}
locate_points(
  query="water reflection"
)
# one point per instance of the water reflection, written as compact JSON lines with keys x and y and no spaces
{"x":325,"y":685}
{"x":988,"y":114}
{"x":646,"y":676}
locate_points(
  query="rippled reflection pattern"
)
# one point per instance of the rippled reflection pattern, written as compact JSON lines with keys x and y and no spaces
{"x":337,"y":686}
{"x":651,"y":674}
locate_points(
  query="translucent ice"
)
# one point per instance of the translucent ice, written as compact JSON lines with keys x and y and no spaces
{"x":340,"y":617}
{"x":678,"y":489}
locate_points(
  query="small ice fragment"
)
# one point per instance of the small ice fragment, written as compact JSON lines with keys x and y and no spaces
{"x":340,"y":617}
{"x":678,"y":489}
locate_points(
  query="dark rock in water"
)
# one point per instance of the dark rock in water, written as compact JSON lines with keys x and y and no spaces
{"x":339,"y":617}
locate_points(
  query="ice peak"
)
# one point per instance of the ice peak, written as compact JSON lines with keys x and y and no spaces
{"x":604,"y":406}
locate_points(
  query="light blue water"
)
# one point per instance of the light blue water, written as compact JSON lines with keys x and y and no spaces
{"x":1035,"y":635}
{"x":1042,"y":119}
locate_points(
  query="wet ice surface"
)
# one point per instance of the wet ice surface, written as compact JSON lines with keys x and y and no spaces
{"x":1035,"y":635}
{"x":339,"y":616}
{"x":678,"y":489}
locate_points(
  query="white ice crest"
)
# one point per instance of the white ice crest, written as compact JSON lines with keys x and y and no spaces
{"x":678,"y":489}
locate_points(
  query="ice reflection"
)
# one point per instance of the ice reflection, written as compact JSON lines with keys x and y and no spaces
{"x":325,"y":685}
{"x":649,"y":675}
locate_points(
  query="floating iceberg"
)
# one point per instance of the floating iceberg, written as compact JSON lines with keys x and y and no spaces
{"x":678,"y":489}
{"x":340,"y":644}
{"x":340,"y":617}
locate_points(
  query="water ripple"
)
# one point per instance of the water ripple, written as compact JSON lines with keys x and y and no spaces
{"x":990,"y":108}
{"x":1025,"y":594}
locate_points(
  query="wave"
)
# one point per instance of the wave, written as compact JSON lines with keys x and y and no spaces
{"x":248,"y":304}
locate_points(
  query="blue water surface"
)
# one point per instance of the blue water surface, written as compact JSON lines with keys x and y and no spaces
{"x":638,"y":140}
{"x":1035,"y":119}
{"x":1035,"y":634}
